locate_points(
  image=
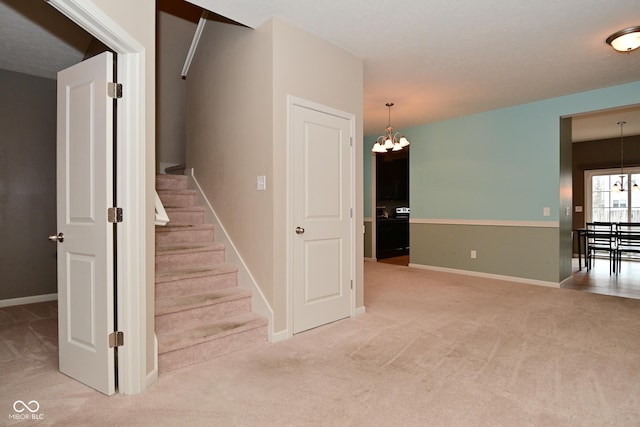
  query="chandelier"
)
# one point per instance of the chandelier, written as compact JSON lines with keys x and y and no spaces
{"x":389,"y":141}
{"x":619,"y":185}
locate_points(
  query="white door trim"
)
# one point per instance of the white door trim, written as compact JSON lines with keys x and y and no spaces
{"x":130,"y":185}
{"x":291,"y":102}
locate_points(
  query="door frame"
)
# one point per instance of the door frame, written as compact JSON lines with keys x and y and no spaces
{"x":293,"y":101}
{"x":130,"y":186}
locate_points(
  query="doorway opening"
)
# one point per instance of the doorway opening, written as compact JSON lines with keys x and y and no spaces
{"x":594,"y":157}
{"x":392,"y":207}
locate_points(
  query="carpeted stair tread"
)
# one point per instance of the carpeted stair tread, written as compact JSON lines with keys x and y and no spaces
{"x":177,"y":191}
{"x":171,"y":182}
{"x":184,"y":209}
{"x":187,"y":302}
{"x":179,"y":339}
{"x":169,"y":276}
{"x":178,"y":198}
{"x":185,"y":215}
{"x":184,"y":248}
{"x":189,"y":227}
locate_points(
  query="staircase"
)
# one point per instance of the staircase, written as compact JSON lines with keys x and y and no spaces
{"x":200,"y":311}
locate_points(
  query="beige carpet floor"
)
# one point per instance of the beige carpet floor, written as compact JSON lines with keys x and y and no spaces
{"x":434,"y":349}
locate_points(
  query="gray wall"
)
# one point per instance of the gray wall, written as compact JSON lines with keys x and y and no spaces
{"x":27,"y":185}
{"x":175,"y":30}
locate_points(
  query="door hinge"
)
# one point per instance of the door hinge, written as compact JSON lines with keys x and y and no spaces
{"x":351,"y":141}
{"x":116,"y":339}
{"x":351,"y":284}
{"x":114,"y":214}
{"x":350,"y":212}
{"x":115,"y":90}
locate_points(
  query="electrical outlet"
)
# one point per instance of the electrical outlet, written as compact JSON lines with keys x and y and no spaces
{"x":473,"y":254}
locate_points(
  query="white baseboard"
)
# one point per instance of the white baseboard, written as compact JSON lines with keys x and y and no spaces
{"x":488,"y":275}
{"x":28,"y":300}
{"x":245,"y":278}
{"x":360,"y":311}
{"x":152,"y":376}
{"x":279,"y":336}
{"x":567,"y":281}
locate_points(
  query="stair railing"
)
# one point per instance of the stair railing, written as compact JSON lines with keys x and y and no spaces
{"x":161,"y":215}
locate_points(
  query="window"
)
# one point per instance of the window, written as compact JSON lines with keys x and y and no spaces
{"x":604,"y":204}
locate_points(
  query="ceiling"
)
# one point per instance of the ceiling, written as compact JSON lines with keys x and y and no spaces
{"x":438,"y":59}
{"x":435,"y":59}
{"x":36,"y":39}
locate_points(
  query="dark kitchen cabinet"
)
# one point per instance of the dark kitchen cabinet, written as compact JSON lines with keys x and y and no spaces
{"x":392,"y":177}
{"x":392,"y":237}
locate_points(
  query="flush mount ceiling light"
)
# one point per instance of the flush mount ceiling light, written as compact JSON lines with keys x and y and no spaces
{"x":619,"y":185}
{"x":389,"y":141}
{"x":625,"y":40}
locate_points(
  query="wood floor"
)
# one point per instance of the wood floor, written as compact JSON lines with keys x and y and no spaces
{"x":597,"y":280}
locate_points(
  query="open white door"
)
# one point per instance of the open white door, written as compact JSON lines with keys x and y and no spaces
{"x":85,"y":236}
{"x":322,"y":251}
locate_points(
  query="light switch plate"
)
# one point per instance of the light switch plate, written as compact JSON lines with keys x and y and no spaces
{"x":261,"y":183}
{"x":546,"y":211}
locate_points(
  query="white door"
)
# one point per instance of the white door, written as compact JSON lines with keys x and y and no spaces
{"x":321,"y":204}
{"x":85,"y":251}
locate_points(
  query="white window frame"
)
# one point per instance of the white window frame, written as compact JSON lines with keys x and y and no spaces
{"x":588,"y":190}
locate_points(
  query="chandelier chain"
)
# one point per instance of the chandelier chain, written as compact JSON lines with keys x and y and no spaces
{"x":621,"y":147}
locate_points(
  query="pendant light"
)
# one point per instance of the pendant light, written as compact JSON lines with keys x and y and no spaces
{"x":389,"y":141}
{"x":619,"y":185}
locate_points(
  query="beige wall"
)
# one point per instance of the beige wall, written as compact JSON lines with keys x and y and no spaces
{"x":308,"y":67}
{"x":237,"y":129}
{"x":229,"y":137}
{"x":174,"y":39}
{"x":138,"y":18}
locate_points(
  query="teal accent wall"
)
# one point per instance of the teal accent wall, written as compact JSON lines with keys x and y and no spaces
{"x":499,"y":165}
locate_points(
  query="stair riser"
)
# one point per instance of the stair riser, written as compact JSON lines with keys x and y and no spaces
{"x":177,"y":261}
{"x":184,"y":236}
{"x":171,"y":183}
{"x":186,"y":218}
{"x":201,"y":315}
{"x":173,"y":200}
{"x":211,"y":349}
{"x":196,"y":285}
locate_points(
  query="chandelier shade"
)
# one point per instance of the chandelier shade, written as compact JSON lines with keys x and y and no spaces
{"x":390,"y":141}
{"x":625,"y":40}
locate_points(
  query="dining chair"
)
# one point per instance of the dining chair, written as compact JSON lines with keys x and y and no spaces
{"x":601,"y":237}
{"x":627,"y":240}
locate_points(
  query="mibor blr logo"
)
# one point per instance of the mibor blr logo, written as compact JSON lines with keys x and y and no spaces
{"x":26,"y":411}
